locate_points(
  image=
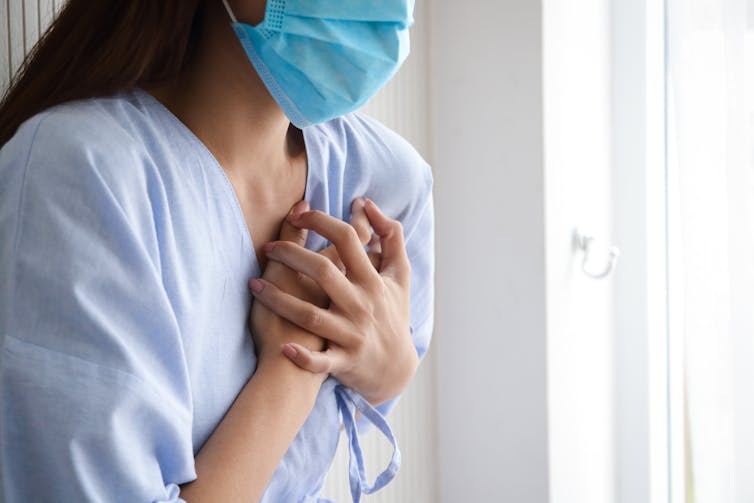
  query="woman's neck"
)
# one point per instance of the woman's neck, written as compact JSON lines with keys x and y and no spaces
{"x":220,"y":97}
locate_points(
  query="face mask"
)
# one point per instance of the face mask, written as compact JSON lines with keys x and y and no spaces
{"x":324,"y":58}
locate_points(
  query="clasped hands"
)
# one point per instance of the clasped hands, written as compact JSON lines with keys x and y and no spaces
{"x":343,"y":311}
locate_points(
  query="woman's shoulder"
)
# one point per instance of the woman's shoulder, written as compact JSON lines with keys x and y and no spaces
{"x":87,"y":128}
{"x":82,"y":161}
{"x":98,"y":140}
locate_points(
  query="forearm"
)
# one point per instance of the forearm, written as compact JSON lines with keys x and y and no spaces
{"x":238,"y":460}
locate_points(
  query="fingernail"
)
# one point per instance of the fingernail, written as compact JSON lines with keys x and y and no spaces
{"x":256,"y":285}
{"x":290,"y":350}
{"x":268,"y":247}
{"x":358,"y":203}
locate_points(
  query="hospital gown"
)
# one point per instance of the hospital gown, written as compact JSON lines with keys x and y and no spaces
{"x":124,"y":262}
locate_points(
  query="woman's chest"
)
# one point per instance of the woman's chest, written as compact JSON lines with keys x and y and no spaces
{"x":212,"y":306}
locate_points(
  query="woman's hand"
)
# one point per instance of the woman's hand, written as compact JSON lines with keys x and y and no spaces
{"x":367,"y":321}
{"x":269,"y":330}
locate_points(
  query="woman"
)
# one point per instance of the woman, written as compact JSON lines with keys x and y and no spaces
{"x":151,"y":183}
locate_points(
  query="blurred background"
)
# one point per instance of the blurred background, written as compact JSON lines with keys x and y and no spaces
{"x":594,"y":195}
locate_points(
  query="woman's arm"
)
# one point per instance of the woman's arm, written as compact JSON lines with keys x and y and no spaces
{"x":239,"y":459}
{"x":237,"y":462}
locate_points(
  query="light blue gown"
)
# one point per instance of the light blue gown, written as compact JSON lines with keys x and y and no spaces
{"x":124,"y":261}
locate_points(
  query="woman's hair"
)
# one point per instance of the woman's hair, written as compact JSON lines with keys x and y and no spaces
{"x":101,"y":47}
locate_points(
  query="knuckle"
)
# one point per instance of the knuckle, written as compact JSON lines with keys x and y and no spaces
{"x":325,"y":270}
{"x":325,"y":366}
{"x":375,"y":286}
{"x":314,"y":319}
{"x":318,"y":214}
{"x":330,"y":252}
{"x":304,"y":359}
{"x":382,"y":291}
{"x":358,"y":343}
{"x":348,"y":233}
{"x":284,"y":247}
{"x":361,"y":311}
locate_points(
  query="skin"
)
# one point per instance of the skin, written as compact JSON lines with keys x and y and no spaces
{"x":301,"y":335}
{"x":367,"y":320}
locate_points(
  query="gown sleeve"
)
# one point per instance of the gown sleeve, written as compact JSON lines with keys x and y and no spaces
{"x":95,"y":400}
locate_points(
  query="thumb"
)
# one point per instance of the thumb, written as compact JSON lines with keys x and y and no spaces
{"x":329,"y":361}
{"x":288,"y":231}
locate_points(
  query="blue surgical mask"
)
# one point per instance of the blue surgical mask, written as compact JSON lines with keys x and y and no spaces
{"x":324,"y":58}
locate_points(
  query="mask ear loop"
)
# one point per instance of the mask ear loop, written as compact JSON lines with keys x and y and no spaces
{"x":230,"y":12}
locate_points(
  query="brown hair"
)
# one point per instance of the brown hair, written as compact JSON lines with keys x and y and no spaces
{"x":100,"y":48}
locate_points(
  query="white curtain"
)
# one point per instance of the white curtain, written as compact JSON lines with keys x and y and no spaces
{"x":711,"y":245}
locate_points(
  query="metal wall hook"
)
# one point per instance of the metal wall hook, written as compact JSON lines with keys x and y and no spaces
{"x":584,"y":242}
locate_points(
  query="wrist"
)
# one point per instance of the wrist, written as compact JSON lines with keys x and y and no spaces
{"x":272,"y":360}
{"x":397,"y":379}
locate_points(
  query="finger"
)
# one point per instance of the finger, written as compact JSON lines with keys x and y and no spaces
{"x":374,"y":251}
{"x":374,"y":241}
{"x":319,"y":268}
{"x":360,"y":221}
{"x":288,"y":231}
{"x":331,"y":253}
{"x":346,"y":241}
{"x":375,"y":259}
{"x":394,"y":258}
{"x":315,"y":319}
{"x":317,"y":362}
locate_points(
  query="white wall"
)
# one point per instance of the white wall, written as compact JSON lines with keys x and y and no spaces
{"x":521,"y":104}
{"x":487,"y":113}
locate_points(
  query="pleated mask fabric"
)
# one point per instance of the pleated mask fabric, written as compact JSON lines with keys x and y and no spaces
{"x":321,"y":59}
